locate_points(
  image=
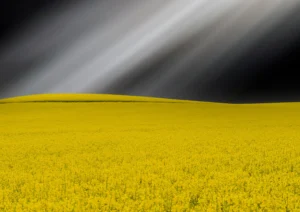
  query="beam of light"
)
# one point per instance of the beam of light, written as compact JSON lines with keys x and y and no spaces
{"x":240,"y":28}
{"x":152,"y":38}
{"x":90,"y":46}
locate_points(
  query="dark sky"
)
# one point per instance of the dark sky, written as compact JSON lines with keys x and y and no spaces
{"x":271,"y":66}
{"x":16,"y":13}
{"x":265,"y":72}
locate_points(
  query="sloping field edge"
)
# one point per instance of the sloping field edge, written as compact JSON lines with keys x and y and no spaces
{"x":113,"y":98}
{"x":88,"y":98}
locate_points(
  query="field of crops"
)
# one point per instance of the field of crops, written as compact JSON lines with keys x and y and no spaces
{"x":141,"y":154}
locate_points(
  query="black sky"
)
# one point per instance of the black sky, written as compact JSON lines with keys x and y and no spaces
{"x":16,"y":13}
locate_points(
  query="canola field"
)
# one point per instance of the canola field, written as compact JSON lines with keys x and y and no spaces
{"x":118,"y":153}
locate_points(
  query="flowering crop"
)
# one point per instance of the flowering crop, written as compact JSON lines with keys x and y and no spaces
{"x":148,"y":156}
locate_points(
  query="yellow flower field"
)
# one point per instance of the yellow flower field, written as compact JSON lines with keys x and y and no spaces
{"x":115,"y":153}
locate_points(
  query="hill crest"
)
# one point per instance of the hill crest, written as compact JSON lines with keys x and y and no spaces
{"x":89,"y":98}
